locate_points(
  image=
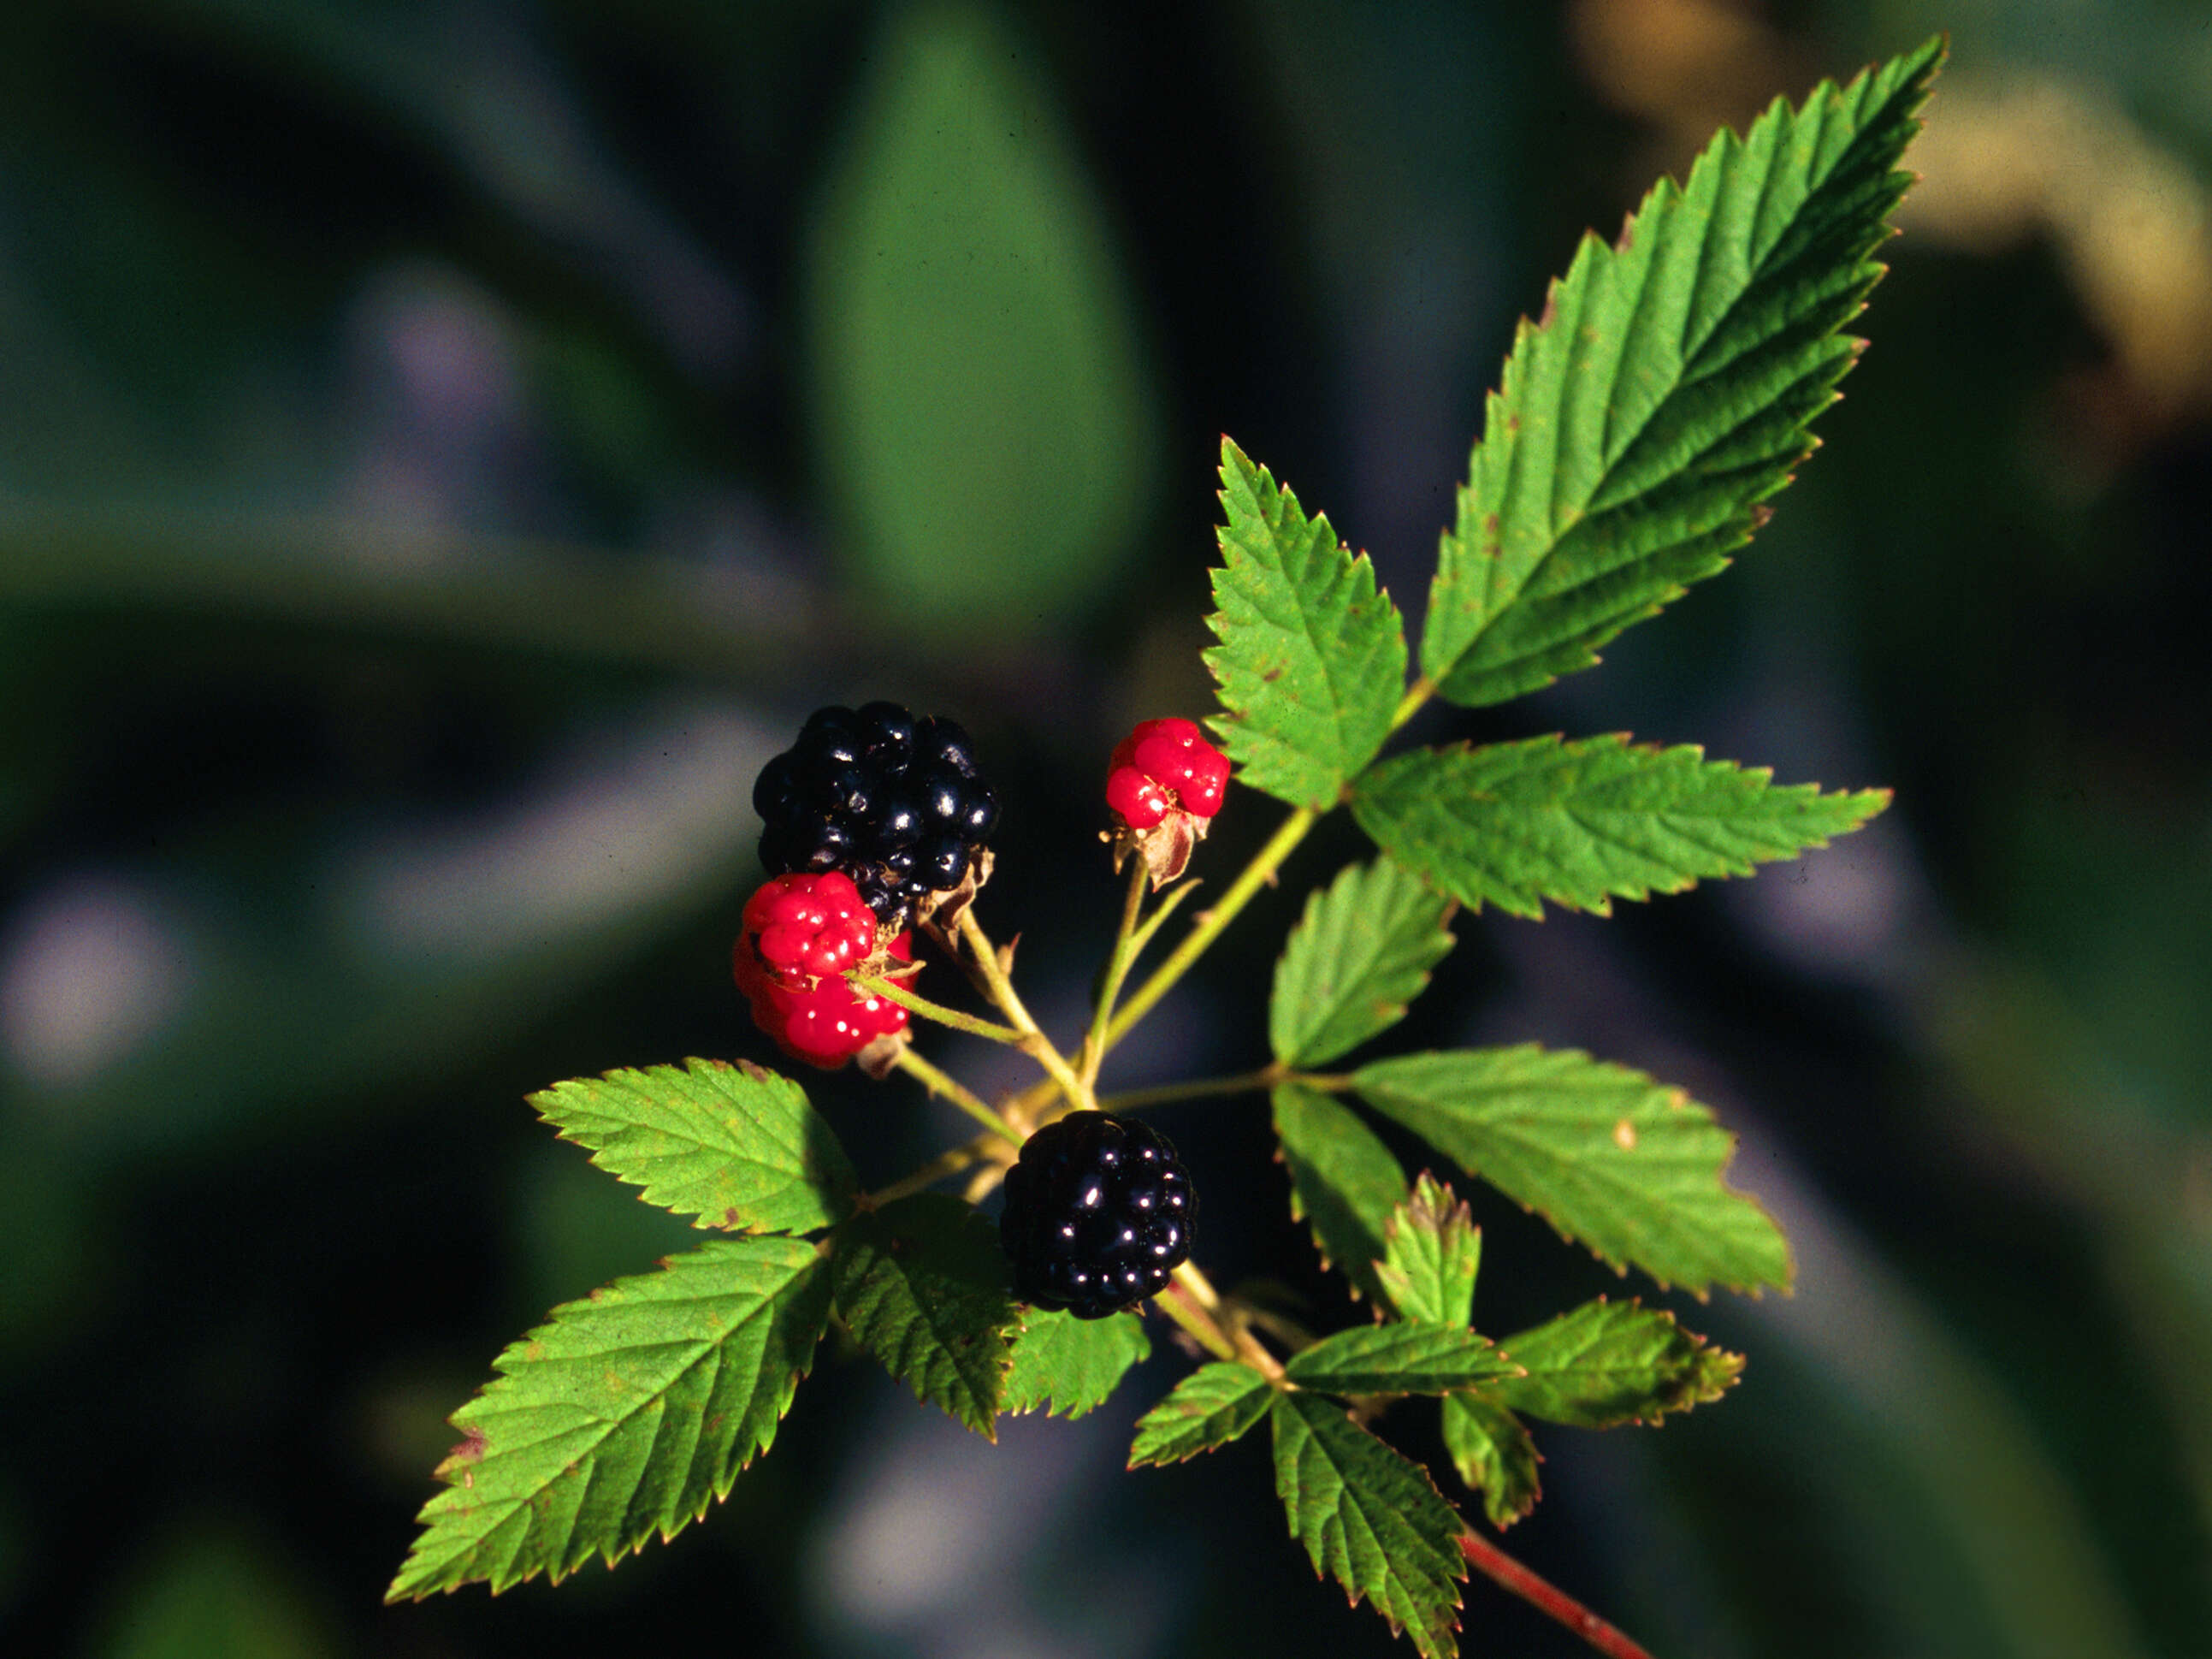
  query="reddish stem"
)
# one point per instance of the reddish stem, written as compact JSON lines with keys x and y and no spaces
{"x":1503,"y":1570}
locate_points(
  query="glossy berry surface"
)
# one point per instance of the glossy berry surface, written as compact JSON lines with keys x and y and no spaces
{"x":1163,"y":765}
{"x":1098,"y":1215}
{"x":807,"y":927}
{"x":824,"y":1024}
{"x":893,"y":803}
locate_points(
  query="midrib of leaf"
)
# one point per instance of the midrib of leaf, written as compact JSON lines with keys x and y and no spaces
{"x":1620,"y":399}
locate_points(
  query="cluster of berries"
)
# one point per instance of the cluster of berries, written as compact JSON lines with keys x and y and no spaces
{"x":870,"y":815}
{"x":874,"y":816}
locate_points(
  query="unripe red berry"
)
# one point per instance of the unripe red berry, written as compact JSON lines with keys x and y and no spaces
{"x":1162,"y":765}
{"x":806,"y":927}
{"x":824,"y":1024}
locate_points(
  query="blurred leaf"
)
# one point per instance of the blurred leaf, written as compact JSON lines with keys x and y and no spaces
{"x":1066,"y":1366}
{"x":1434,"y":1252}
{"x":213,"y":1594}
{"x":1312,"y":656}
{"x":924,"y":1286}
{"x":1361,"y":952}
{"x":1609,"y":1362}
{"x":1494,"y":1454}
{"x":1583,"y":824}
{"x":979,"y":413}
{"x":1669,"y":388}
{"x":1370,"y":1519}
{"x":1407,"y":1357}
{"x":737,"y":1146}
{"x":1343,"y":1180}
{"x":1209,"y":1408}
{"x":1628,"y":1167}
{"x":623,"y":1415}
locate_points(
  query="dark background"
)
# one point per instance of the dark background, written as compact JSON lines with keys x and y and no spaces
{"x":445,"y":448}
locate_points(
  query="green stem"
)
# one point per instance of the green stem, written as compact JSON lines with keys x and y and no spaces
{"x":938,"y":1083}
{"x":1033,"y":1041}
{"x":1416,"y":693}
{"x":1176,"y":1303}
{"x":1136,"y":1100}
{"x":1247,"y":1346}
{"x":1209,"y":927}
{"x":948,"y":1162}
{"x":1150,"y":925}
{"x":973,"y":1026}
{"x":1118,"y":959}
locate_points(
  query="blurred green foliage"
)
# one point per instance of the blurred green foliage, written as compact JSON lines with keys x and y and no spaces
{"x":443,"y":450}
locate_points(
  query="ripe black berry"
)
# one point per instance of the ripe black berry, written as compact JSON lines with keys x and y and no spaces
{"x":1098,"y":1215}
{"x":892,"y":801}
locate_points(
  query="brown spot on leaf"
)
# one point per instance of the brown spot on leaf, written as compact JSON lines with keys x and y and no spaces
{"x":731,"y":1220}
{"x":1624,"y":1136}
{"x":471,"y":1450}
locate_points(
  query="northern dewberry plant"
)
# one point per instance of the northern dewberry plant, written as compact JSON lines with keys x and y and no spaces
{"x":1640,"y":425}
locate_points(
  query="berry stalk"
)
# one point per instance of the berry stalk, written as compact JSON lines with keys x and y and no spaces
{"x":972,"y":1024}
{"x":1001,"y":991}
{"x":945,"y":1086}
{"x":1209,"y":926}
{"x":1119,"y":959}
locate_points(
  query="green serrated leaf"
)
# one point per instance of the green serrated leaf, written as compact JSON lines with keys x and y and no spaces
{"x":1609,"y":1362}
{"x":1344,"y":1181}
{"x":1312,"y":658}
{"x":1434,"y":1251}
{"x":1491,"y":1449}
{"x":923,"y":1285}
{"x":1208,"y":1409}
{"x":1362,"y":951}
{"x":1583,"y":824}
{"x":1370,"y":1519}
{"x":1628,"y":1167}
{"x":1410,"y":1357}
{"x":737,"y":1146}
{"x":1066,"y":1366}
{"x":1668,"y":389}
{"x":622,"y":1416}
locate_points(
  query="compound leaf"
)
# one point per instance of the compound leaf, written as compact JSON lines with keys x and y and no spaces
{"x":1066,"y":1366}
{"x":622,"y":1416}
{"x":1209,"y":1408}
{"x":1609,"y":1362}
{"x":1629,"y":1167}
{"x":737,"y":1146}
{"x":1491,"y":1449}
{"x":1412,"y":1357}
{"x":1344,"y":1181}
{"x":924,"y":1286}
{"x":1312,"y":658}
{"x":1370,"y":1519}
{"x":1433,"y":1252}
{"x":1362,"y":951}
{"x":1668,"y":389}
{"x":1583,"y":824}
